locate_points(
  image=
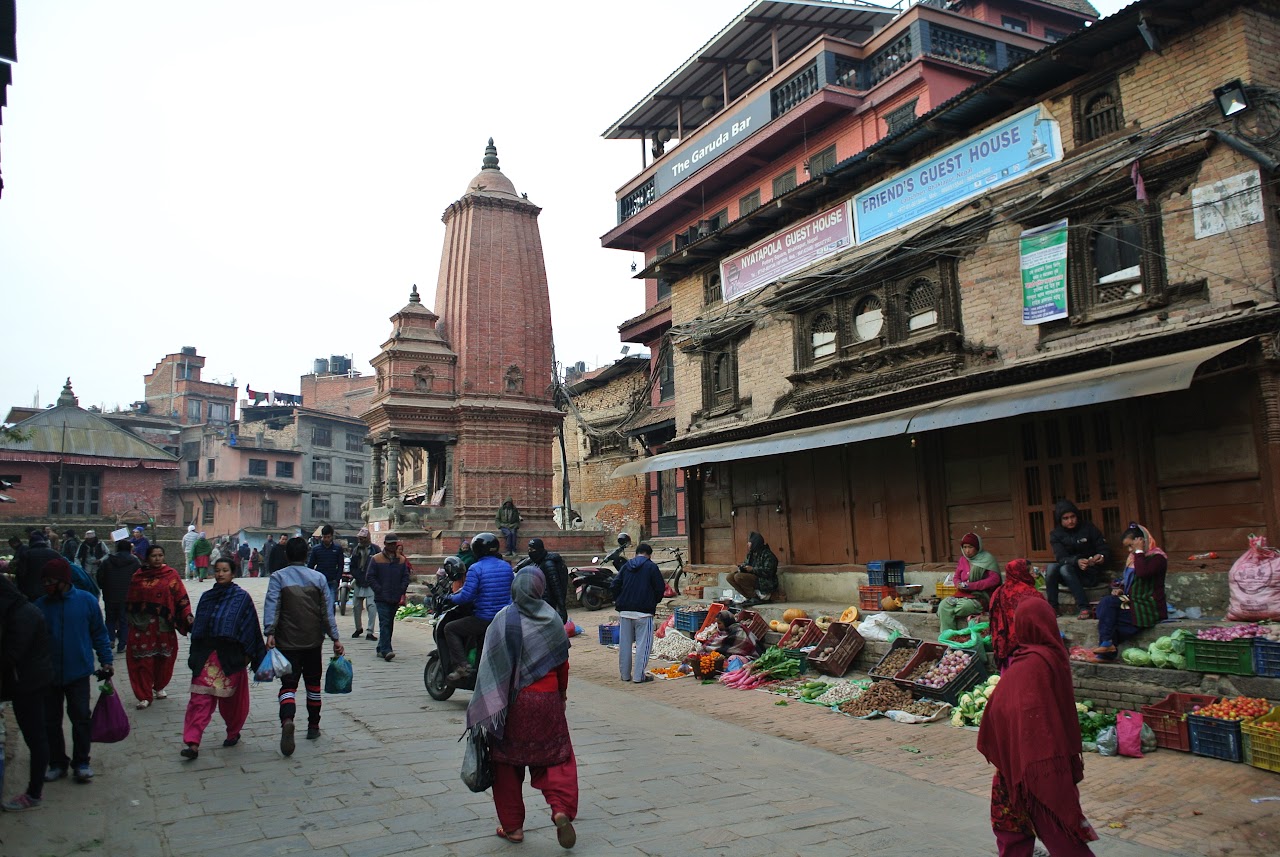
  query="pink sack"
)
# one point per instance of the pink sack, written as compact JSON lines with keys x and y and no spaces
{"x":1255,"y":583}
{"x":1129,"y":733}
{"x":665,"y":626}
{"x":109,"y":723}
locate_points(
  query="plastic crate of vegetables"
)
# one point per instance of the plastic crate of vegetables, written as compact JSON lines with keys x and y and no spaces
{"x":1227,"y":657}
{"x":1266,"y":658}
{"x":755,"y":623}
{"x":895,"y":659}
{"x":836,"y":650}
{"x":1262,"y":741}
{"x":1168,"y":719}
{"x":690,"y":621}
{"x":1215,"y":729}
{"x":802,"y":633}
{"x":948,"y":673}
{"x":609,"y":635}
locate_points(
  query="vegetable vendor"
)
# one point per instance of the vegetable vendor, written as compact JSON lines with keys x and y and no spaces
{"x":1137,"y":600}
{"x":757,"y":577}
{"x":977,"y":575}
{"x":731,"y":638}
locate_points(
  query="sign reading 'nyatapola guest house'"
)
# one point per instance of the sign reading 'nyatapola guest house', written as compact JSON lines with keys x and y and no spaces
{"x":785,"y":252}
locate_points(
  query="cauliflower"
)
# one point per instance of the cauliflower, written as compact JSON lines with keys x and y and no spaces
{"x":993,"y":681}
{"x":977,"y":719}
{"x":1080,"y":709}
{"x":957,"y":718}
{"x":966,"y":700}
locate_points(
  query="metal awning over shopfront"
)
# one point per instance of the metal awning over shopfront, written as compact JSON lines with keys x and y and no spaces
{"x":1148,"y":377}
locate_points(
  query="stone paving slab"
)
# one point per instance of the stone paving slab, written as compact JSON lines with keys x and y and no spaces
{"x":662,"y":770}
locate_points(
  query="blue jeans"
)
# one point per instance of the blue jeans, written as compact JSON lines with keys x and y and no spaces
{"x":509,"y":533}
{"x":386,"y":617}
{"x":117,"y":625}
{"x":639,"y":632}
{"x":333,"y":592}
{"x":1057,"y":573}
{"x":1114,"y":624}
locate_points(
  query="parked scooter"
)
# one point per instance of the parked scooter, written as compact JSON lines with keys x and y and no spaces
{"x":439,"y":662}
{"x":592,"y":584}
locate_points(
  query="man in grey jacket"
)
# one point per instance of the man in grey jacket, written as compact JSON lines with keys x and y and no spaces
{"x":297,"y":616}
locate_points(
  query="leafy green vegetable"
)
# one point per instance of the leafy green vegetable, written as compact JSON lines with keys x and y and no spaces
{"x":1136,"y":657}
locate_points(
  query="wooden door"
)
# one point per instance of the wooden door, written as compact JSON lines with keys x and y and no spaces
{"x":817,"y":507}
{"x":888,"y":513}
{"x":757,"y":495}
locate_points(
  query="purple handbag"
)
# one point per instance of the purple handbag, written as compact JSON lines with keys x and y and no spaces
{"x":109,"y":723}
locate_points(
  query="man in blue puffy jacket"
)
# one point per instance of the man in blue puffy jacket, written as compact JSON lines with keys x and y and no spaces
{"x":488,"y":588}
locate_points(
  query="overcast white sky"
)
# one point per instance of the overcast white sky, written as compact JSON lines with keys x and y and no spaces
{"x":264,"y":181}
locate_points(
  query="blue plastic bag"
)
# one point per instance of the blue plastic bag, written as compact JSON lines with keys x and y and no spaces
{"x":339,"y":675}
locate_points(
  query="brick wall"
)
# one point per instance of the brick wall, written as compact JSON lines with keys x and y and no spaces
{"x":338,"y":394}
{"x":128,"y":493}
{"x":1124,"y":688}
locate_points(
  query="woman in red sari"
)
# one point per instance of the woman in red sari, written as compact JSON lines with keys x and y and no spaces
{"x":157,"y":608}
{"x":1018,"y":586}
{"x":1031,"y":733}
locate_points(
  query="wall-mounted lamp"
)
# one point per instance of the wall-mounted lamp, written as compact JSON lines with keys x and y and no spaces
{"x":806,"y":168}
{"x":754,"y":67}
{"x":665,"y":135}
{"x":779,"y":509}
{"x":633,"y":267}
{"x":913,"y":443}
{"x":1231,"y":98}
{"x":709,"y":103}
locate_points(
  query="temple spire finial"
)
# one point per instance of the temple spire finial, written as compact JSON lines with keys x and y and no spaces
{"x":490,"y":156}
{"x":413,"y":295}
{"x":68,"y":397}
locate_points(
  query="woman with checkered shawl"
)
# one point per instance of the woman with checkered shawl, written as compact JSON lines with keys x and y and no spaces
{"x":519,"y":703}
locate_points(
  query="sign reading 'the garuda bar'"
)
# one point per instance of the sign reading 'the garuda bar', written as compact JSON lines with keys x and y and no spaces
{"x":785,"y":252}
{"x":744,"y":121}
{"x":1020,"y":145}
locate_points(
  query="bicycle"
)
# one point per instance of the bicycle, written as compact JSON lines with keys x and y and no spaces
{"x":674,"y":580}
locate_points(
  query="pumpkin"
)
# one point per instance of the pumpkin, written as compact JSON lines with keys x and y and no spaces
{"x":890,"y":603}
{"x":850,"y":615}
{"x":780,"y":627}
{"x":794,"y":613}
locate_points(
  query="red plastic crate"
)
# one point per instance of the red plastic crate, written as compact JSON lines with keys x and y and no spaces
{"x":755,"y":623}
{"x":869,"y":597}
{"x":836,"y":650}
{"x":801,"y":633}
{"x":1166,"y":719}
{"x":713,"y":609}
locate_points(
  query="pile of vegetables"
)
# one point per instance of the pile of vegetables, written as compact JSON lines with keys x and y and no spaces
{"x":410,"y":610}
{"x":1237,"y":632}
{"x":893,"y":662}
{"x":673,"y":647}
{"x":842,"y":691}
{"x":1167,"y":652}
{"x":706,"y":665}
{"x":923,"y":707}
{"x":673,"y":671}
{"x":773,"y":664}
{"x":1236,"y":708}
{"x":880,"y":697}
{"x":942,"y":672}
{"x":972,"y":704}
{"x":811,"y":690}
{"x":1092,"y":722}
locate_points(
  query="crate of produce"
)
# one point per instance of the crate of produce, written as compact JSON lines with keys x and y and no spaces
{"x":887,"y":572}
{"x":713,"y":609}
{"x":1217,"y":739}
{"x":690,"y":621}
{"x":971,"y":673}
{"x":943,"y":590}
{"x":755,"y":623}
{"x":802,"y":633}
{"x":1262,"y":741}
{"x":1229,"y":657}
{"x":884,"y":668}
{"x":608,"y":635}
{"x":1266,"y":658}
{"x":1167,"y":718}
{"x":869,"y":597}
{"x":836,"y":650}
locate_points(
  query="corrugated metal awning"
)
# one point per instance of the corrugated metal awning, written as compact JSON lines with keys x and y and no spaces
{"x":1146,"y":377}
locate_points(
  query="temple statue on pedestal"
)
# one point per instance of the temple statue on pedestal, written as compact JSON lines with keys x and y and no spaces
{"x":463,"y":414}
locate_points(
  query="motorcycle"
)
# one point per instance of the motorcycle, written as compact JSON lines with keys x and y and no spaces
{"x":439,"y":662}
{"x":592,"y":584}
{"x":345,"y":585}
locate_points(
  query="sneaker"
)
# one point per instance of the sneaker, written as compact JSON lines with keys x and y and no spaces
{"x":370,"y":637}
{"x":22,"y":802}
{"x":313,"y":732}
{"x":388,"y":656}
{"x":162,"y":694}
{"x":286,"y":738}
{"x":358,"y":634}
{"x":54,"y":773}
{"x":83,"y":773}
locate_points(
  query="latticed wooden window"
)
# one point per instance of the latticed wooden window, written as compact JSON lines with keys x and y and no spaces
{"x":711,"y":291}
{"x":1102,"y":115}
{"x":822,"y":336}
{"x":922,"y":305}
{"x":722,"y":380}
{"x":868,"y":318}
{"x":1117,"y":257}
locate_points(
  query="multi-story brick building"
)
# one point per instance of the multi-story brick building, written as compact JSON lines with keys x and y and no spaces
{"x":599,"y":405}
{"x":174,"y":389}
{"x":77,"y":469}
{"x":1057,"y":283}
{"x":757,"y":120}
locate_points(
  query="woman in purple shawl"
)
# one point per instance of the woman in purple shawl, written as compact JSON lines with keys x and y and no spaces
{"x":519,"y":702}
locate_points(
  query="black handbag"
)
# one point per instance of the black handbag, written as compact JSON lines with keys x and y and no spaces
{"x":477,"y":767}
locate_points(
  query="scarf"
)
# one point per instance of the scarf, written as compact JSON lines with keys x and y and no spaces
{"x":525,"y":641}
{"x":1018,"y":586}
{"x":159,"y":592}
{"x":983,"y":561}
{"x":1030,"y":730}
{"x":737,"y":640}
{"x":1153,"y":549}
{"x":226,"y":612}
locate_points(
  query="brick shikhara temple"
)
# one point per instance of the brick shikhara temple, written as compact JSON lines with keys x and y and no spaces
{"x":463,"y":412}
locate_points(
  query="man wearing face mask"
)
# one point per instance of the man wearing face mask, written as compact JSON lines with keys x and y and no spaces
{"x":76,"y":631}
{"x":556,"y":573}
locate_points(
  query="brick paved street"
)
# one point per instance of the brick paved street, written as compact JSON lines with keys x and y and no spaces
{"x":658,"y":776}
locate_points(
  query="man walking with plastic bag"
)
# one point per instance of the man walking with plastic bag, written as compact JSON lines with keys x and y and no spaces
{"x":297,"y":616}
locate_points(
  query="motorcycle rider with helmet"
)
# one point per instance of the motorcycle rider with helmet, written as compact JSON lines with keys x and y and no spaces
{"x":488,"y":589}
{"x":556,"y":573}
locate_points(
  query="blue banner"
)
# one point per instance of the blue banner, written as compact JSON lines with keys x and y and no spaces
{"x":996,"y":156}
{"x":709,"y":145}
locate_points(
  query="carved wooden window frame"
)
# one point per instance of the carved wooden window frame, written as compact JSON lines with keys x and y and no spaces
{"x":1087,"y":304}
{"x":720,"y":379}
{"x":1094,"y":122}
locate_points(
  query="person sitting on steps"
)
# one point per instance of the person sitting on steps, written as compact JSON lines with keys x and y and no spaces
{"x":757,"y":577}
{"x":1080,"y":552}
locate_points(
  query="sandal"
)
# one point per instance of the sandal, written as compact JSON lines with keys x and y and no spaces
{"x":1085,"y":614}
{"x":190,"y":752}
{"x":146,"y":703}
{"x":516,"y":836}
{"x":565,"y":834}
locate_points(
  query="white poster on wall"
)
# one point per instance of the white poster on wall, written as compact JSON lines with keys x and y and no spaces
{"x":1230,"y":203}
